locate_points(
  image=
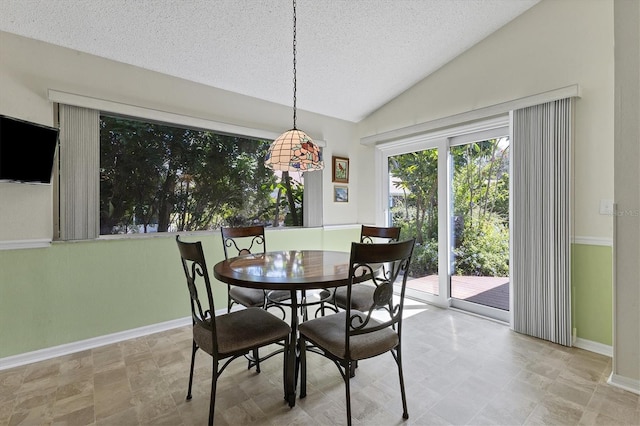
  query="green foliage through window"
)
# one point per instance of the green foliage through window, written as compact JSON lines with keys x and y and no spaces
{"x":161,"y":178}
{"x":480,"y":207}
{"x":415,"y":206}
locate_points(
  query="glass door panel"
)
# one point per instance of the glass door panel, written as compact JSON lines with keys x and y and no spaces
{"x":413,"y":206}
{"x":479,"y":226}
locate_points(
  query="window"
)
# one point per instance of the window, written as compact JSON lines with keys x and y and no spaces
{"x":135,"y":170}
{"x":164,"y":178}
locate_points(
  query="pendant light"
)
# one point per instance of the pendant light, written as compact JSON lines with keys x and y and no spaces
{"x":294,"y":150}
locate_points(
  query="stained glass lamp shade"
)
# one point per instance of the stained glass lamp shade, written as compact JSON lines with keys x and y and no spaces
{"x":294,"y":151}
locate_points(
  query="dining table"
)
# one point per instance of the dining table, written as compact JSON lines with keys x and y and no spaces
{"x":298,"y":271}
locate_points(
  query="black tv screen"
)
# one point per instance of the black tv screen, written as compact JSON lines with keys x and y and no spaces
{"x":27,"y":151}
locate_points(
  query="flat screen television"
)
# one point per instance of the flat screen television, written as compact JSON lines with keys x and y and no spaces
{"x":27,"y":151}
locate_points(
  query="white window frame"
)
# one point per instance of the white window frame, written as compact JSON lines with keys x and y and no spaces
{"x":312,"y":199}
{"x":440,"y":140}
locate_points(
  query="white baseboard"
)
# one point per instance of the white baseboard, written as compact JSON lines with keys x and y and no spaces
{"x":82,"y":345}
{"x":631,"y":385}
{"x":592,"y":346}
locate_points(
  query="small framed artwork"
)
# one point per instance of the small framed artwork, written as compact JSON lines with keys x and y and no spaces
{"x":341,"y":194}
{"x":340,"y":170}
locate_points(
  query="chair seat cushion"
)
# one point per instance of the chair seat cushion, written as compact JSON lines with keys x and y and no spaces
{"x":329,"y":334}
{"x":254,"y":297}
{"x":240,"y":331}
{"x":326,"y":293}
{"x":279,"y":295}
{"x":361,"y":297}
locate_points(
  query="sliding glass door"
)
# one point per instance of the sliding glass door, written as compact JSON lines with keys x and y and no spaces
{"x":479,"y":231}
{"x":451,"y":192}
{"x":413,"y":206}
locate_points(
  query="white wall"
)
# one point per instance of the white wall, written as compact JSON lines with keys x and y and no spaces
{"x":29,"y":68}
{"x":554,"y":44}
{"x":626,"y":340}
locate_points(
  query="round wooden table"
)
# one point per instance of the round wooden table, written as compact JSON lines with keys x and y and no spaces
{"x":293,"y":270}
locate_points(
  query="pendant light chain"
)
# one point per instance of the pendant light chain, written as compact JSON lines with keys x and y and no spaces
{"x":294,"y":64}
{"x":294,"y":150}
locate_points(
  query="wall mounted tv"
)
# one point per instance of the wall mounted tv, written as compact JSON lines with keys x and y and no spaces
{"x":27,"y":151}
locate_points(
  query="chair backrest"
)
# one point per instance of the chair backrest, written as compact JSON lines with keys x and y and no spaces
{"x":375,"y":234}
{"x":366,"y":259}
{"x":243,"y":240}
{"x":197,"y":275}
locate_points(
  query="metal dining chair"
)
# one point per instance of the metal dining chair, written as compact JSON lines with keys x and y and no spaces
{"x":238,"y":241}
{"x":242,"y":240}
{"x":361,"y":295}
{"x":228,"y":336}
{"x":352,"y":335}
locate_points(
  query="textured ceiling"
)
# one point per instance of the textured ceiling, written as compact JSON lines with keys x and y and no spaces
{"x":353,"y":56}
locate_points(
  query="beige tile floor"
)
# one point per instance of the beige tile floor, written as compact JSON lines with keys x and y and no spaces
{"x":459,"y":369}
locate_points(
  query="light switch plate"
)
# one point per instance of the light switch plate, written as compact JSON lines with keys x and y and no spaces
{"x":606,"y":207}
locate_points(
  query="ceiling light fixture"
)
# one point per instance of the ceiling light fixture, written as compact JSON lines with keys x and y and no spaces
{"x":294,"y":150}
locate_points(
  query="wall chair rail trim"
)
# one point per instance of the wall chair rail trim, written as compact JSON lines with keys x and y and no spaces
{"x":593,"y":241}
{"x":25,"y":244}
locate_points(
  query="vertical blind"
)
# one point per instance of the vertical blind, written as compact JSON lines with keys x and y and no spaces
{"x":541,"y":224}
{"x":79,"y":173}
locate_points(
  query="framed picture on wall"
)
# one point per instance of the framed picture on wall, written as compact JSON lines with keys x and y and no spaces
{"x":340,"y":170}
{"x":341,"y":194}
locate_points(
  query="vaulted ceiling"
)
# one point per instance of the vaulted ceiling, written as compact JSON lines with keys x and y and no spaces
{"x":352,"y":56}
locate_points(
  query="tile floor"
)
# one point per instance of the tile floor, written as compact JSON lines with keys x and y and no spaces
{"x":459,"y":370}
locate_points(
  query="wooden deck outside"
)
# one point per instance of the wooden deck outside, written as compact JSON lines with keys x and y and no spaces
{"x":488,"y":291}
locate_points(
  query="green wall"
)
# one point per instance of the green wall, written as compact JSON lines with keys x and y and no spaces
{"x":591,"y":292}
{"x":73,"y":291}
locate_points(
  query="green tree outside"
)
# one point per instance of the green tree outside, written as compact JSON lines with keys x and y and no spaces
{"x":159,"y":178}
{"x":480,"y":207}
